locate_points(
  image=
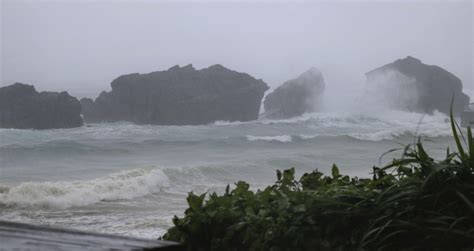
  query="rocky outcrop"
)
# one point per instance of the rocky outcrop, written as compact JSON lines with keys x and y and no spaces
{"x":296,"y":96}
{"x":411,"y":85}
{"x":22,"y":107}
{"x":179,"y":96}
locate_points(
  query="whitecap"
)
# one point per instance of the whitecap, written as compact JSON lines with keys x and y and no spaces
{"x":279,"y":138}
{"x":123,"y":185}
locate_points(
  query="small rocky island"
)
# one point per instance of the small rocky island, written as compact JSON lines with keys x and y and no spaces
{"x":427,"y":87}
{"x":179,"y":96}
{"x":295,"y":97}
{"x":22,"y":107}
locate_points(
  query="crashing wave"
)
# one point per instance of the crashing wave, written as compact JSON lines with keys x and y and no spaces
{"x":123,"y":185}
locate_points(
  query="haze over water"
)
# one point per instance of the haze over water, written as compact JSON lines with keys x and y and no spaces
{"x":81,"y":46}
{"x":131,"y":179}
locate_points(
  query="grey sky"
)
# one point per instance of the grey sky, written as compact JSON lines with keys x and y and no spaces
{"x":81,"y":46}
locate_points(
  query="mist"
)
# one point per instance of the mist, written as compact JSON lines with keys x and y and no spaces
{"x":358,"y":98}
{"x":81,"y":46}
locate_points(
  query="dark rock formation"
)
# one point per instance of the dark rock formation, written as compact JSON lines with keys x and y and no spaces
{"x":22,"y":107}
{"x":419,"y":87}
{"x":296,"y":96}
{"x":179,"y":96}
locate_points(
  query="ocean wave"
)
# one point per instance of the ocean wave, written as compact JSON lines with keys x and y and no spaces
{"x":279,"y":138}
{"x":379,"y":117}
{"x":374,"y":126}
{"x":391,"y":135}
{"x":123,"y":185}
{"x":58,"y":147}
{"x":226,"y":123}
{"x":121,"y":138}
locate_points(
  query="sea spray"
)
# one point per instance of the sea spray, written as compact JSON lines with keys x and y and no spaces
{"x":390,"y":89}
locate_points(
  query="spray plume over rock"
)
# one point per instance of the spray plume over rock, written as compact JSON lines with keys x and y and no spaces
{"x":22,"y":107}
{"x":410,"y":85}
{"x":179,"y":96}
{"x":296,"y":96}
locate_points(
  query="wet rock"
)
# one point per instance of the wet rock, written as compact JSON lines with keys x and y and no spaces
{"x":295,"y":97}
{"x":179,"y":96}
{"x":22,"y":107}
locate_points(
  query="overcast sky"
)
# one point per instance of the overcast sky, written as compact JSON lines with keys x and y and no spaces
{"x":81,"y":46}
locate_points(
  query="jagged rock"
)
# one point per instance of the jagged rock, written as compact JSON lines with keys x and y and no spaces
{"x":179,"y":96}
{"x":296,"y":96}
{"x":411,"y":85}
{"x":22,"y":107}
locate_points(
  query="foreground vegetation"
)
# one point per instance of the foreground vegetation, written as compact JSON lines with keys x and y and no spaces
{"x":414,"y":203}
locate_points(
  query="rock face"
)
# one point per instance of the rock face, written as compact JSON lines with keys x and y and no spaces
{"x":179,"y":96}
{"x":22,"y":107}
{"x":418,"y":87}
{"x":296,"y":96}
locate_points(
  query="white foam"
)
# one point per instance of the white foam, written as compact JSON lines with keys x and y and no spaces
{"x":123,"y":185}
{"x":390,"y":135}
{"x":371,"y":123}
{"x":395,"y":124}
{"x":225,"y":123}
{"x":376,"y":125}
{"x":280,"y":138}
{"x":312,"y":136}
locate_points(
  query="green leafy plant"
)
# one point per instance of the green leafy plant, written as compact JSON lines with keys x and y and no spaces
{"x":413,"y":203}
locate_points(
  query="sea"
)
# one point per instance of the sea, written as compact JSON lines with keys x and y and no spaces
{"x":128,"y":179}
